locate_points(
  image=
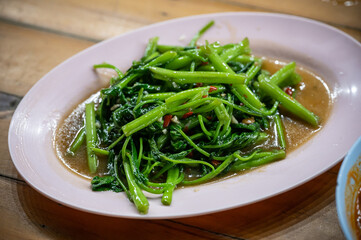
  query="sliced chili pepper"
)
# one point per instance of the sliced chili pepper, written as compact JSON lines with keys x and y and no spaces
{"x":204,"y":63}
{"x":204,"y":96}
{"x":199,"y":84}
{"x":215,"y":162}
{"x":289,"y":91}
{"x":212,"y":88}
{"x":167,"y":119}
{"x":188,"y":114}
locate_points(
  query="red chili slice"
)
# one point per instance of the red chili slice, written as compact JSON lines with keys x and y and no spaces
{"x":289,"y":91}
{"x":212,"y":88}
{"x":216,"y":162}
{"x":167,"y":119}
{"x":187,"y":114}
{"x":204,"y":96}
{"x":199,"y":84}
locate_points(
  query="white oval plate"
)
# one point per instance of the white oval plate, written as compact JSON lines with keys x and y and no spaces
{"x":324,"y":49}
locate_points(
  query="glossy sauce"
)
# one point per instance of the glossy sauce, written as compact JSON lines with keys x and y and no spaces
{"x":353,"y":197}
{"x":313,"y":93}
{"x":357,"y":215}
{"x":63,"y":139}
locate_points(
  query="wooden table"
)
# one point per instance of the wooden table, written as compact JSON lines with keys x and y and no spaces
{"x":37,"y":35}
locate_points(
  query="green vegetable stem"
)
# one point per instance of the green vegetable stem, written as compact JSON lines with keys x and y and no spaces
{"x":91,"y":136}
{"x":185,"y":115}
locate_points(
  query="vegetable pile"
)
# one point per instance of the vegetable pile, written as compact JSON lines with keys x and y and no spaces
{"x":185,"y":115}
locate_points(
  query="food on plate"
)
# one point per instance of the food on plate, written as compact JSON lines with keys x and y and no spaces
{"x":357,"y":214}
{"x":186,"y":115}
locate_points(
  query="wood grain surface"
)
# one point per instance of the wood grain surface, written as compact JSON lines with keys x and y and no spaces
{"x":37,"y":35}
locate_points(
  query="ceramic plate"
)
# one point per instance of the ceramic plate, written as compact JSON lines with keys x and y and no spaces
{"x":323,"y":49}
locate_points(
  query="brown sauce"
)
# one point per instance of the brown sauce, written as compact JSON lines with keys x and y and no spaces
{"x":357,"y":216}
{"x":313,"y":93}
{"x":353,"y":197}
{"x":63,"y":138}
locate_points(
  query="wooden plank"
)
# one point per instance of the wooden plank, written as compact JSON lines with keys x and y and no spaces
{"x":6,"y":165}
{"x":103,"y":19}
{"x":306,"y":212}
{"x":336,"y":12}
{"x":28,"y":54}
{"x":14,"y":221}
{"x":353,"y":33}
{"x":26,"y":214}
